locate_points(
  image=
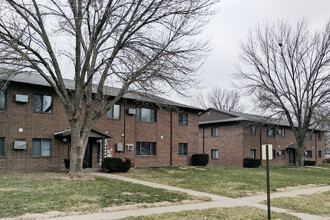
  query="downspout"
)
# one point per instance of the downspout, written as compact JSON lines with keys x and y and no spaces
{"x":171,"y":138}
{"x":315,"y":147}
{"x":203,"y":140}
{"x":125,"y":126}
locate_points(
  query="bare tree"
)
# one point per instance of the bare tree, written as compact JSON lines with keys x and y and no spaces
{"x":144,"y":45}
{"x":220,"y":99}
{"x":287,"y":68}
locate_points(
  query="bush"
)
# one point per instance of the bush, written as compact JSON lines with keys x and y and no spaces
{"x":200,"y":159}
{"x":67,"y":163}
{"x":251,"y":162}
{"x":309,"y":163}
{"x":116,"y":164}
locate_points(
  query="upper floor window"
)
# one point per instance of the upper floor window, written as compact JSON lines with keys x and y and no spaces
{"x":282,"y":132}
{"x":308,"y":136}
{"x":146,"y":115}
{"x":2,"y":99}
{"x":183,"y":149}
{"x":43,"y":103}
{"x":253,"y":130}
{"x":145,"y":148}
{"x":114,"y":112}
{"x":270,"y":132}
{"x":183,"y":118}
{"x":319,"y":135}
{"x":214,"y":131}
{"x":41,"y":147}
{"x":2,"y":146}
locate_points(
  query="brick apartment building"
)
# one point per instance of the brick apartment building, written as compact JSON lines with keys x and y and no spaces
{"x":35,"y":135}
{"x":229,"y":137}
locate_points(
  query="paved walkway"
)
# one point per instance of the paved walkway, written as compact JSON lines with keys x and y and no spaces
{"x":217,"y":201}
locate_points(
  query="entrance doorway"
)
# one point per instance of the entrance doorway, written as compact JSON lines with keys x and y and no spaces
{"x":88,"y":155}
{"x":292,"y":157}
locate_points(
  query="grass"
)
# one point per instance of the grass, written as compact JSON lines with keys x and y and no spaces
{"x":326,"y":165}
{"x":218,"y":213}
{"x":231,"y":181}
{"x":317,"y":203}
{"x":43,"y":192}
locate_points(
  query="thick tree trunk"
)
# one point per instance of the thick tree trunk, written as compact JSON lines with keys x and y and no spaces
{"x":78,"y":148}
{"x":300,"y":154}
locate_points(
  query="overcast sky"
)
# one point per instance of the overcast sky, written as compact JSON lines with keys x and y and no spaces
{"x":232,"y":23}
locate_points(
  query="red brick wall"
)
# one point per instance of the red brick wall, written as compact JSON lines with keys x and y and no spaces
{"x":38,"y":125}
{"x":229,"y":143}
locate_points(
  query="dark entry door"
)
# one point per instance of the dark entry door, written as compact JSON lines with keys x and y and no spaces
{"x":292,"y":157}
{"x":88,"y":155}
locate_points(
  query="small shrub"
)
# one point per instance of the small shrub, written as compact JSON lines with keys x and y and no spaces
{"x":309,"y":163}
{"x":200,"y":159}
{"x":251,"y":162}
{"x":116,"y":164}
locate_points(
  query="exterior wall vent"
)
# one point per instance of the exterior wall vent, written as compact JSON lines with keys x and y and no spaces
{"x":130,"y":147}
{"x":131,"y":111}
{"x":21,"y":98}
{"x":19,"y":145}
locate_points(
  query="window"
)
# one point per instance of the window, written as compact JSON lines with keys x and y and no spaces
{"x":41,"y":147}
{"x":319,"y":135}
{"x":114,"y":112}
{"x":183,"y":149}
{"x":183,"y":118}
{"x":282,"y":132}
{"x":253,"y":130}
{"x":309,"y":153}
{"x":214,"y":154}
{"x":253,"y":153}
{"x":43,"y":103}
{"x":283,"y":154}
{"x":274,"y":154}
{"x":308,"y":136}
{"x":270,"y":132}
{"x":146,"y":115}
{"x":145,"y":148}
{"x":214,"y":131}
{"x":320,"y":154}
{"x":2,"y":99}
{"x":2,"y":146}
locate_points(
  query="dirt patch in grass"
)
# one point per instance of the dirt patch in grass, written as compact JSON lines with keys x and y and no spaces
{"x":291,"y":188}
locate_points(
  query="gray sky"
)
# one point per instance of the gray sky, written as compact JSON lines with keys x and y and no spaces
{"x":232,"y":23}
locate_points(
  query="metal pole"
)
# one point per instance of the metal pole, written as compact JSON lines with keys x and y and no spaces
{"x":268,"y":185}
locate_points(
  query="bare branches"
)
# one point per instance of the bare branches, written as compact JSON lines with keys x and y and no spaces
{"x":288,"y":69}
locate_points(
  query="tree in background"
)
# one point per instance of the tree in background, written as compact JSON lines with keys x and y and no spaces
{"x":220,"y":99}
{"x":147,"y":45}
{"x":288,"y":69}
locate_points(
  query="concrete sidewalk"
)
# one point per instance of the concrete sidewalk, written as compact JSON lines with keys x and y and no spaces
{"x":217,"y":202}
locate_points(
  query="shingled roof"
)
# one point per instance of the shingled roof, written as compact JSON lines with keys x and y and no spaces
{"x":36,"y":79}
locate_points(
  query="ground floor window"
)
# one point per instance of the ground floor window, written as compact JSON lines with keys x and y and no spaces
{"x":283,"y":154}
{"x":309,"y":153}
{"x":320,"y":153}
{"x":145,"y":148}
{"x":214,"y":154}
{"x":41,"y":147}
{"x":183,"y":149}
{"x":2,"y":146}
{"x":253,"y":153}
{"x":274,"y":154}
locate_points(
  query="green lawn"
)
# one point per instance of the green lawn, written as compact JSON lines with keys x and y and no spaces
{"x":231,"y":181}
{"x":245,"y":213}
{"x":43,"y":192}
{"x":326,"y":165}
{"x":318,"y":203}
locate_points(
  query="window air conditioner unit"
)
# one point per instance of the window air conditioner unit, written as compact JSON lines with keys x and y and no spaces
{"x":130,"y":147}
{"x":279,"y":153}
{"x":119,"y":147}
{"x":279,"y":132}
{"x":21,"y":98}
{"x":131,"y":111}
{"x":19,"y":145}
